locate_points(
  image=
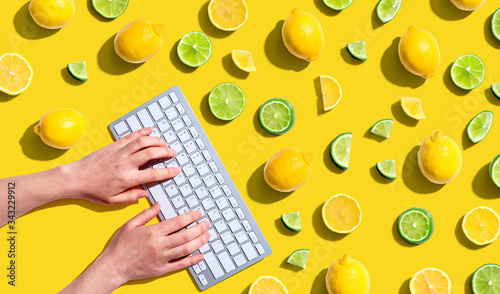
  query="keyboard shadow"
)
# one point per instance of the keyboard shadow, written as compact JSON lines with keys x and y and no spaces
{"x":260,"y":191}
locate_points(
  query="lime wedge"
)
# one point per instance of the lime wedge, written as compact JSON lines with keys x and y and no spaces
{"x":226,"y":101}
{"x":292,"y":221}
{"x":340,"y":150}
{"x":387,"y":9}
{"x":383,"y":127}
{"x":299,"y":258}
{"x":338,"y":4}
{"x":486,"y":279}
{"x":495,"y":170}
{"x":495,"y":24}
{"x":78,"y":70}
{"x":110,"y":8}
{"x":495,"y":88}
{"x":277,"y":116}
{"x":479,"y":126}
{"x":387,"y":169}
{"x":357,"y":50}
{"x":467,"y":72}
{"x":415,"y":225}
{"x":194,"y":49}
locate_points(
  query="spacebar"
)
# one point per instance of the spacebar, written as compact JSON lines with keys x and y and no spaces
{"x":159,"y":196}
{"x":213,"y":264}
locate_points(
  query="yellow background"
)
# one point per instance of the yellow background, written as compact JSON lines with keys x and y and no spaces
{"x":58,"y":241}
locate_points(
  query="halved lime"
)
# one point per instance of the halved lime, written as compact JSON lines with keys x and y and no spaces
{"x":110,"y":8}
{"x":78,"y":70}
{"x":479,"y":126}
{"x":387,"y":169}
{"x":383,"y":127}
{"x":226,"y":101}
{"x":340,"y":150}
{"x":415,"y":225}
{"x":299,"y":258}
{"x":495,"y":24}
{"x":495,"y":88}
{"x":387,"y":9}
{"x":277,"y":116}
{"x":486,"y":279}
{"x":338,"y":4}
{"x":194,"y":49}
{"x":495,"y":170}
{"x":357,"y":50}
{"x":292,"y":221}
{"x":467,"y":72}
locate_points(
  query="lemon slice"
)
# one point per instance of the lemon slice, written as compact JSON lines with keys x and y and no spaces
{"x":243,"y":60}
{"x":413,"y":107}
{"x":331,"y":92}
{"x":430,"y":280}
{"x":227,"y":15}
{"x":341,"y":214}
{"x":15,"y":74}
{"x":267,"y":285}
{"x":481,"y":225}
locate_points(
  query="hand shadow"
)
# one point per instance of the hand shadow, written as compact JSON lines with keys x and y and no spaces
{"x":28,"y":28}
{"x":260,"y":191}
{"x":446,"y":10}
{"x":110,"y":62}
{"x":34,"y":148}
{"x":483,"y":186}
{"x":277,"y":53}
{"x":413,"y":178}
{"x":394,"y":71}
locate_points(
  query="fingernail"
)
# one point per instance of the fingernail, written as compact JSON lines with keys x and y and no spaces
{"x":177,"y":170}
{"x":198,"y":214}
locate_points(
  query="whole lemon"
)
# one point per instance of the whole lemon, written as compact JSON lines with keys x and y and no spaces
{"x":62,"y":128}
{"x":439,"y":158}
{"x":468,"y":5}
{"x":288,"y":170}
{"x":138,"y":41}
{"x":52,"y":14}
{"x":302,"y":35}
{"x":419,"y":52}
{"x":347,"y":276}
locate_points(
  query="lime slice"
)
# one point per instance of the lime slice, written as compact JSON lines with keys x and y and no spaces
{"x":387,"y":9}
{"x":383,"y":127}
{"x":78,"y":70}
{"x":387,"y":169}
{"x":292,"y":221}
{"x":495,"y":170}
{"x":299,"y":258}
{"x":486,"y":279}
{"x":495,"y":88}
{"x":338,"y":4}
{"x":415,"y":225}
{"x":357,"y":50}
{"x":340,"y":150}
{"x":277,"y":116}
{"x":194,"y":49}
{"x":110,"y":8}
{"x":495,"y":24}
{"x":226,"y":101}
{"x":467,"y":72}
{"x":479,"y":126}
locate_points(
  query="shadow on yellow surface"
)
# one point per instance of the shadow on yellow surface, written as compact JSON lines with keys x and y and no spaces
{"x":174,"y":58}
{"x":378,"y":177}
{"x":468,"y":284}
{"x":258,"y":127}
{"x":277,"y":53}
{"x":413,"y":178}
{"x":450,"y":85}
{"x":34,"y":148}
{"x":26,"y":26}
{"x":466,"y":142}
{"x":110,"y":62}
{"x":319,"y":94}
{"x":483,"y":186}
{"x":462,"y":239}
{"x":246,"y":290}
{"x":491,"y":97}
{"x":320,"y":227}
{"x":405,"y":287}
{"x":68,"y":78}
{"x":208,"y":115}
{"x":282,"y":229}
{"x":96,"y":14}
{"x":206,"y":25}
{"x":394,"y":71}
{"x":6,"y":98}
{"x":232,"y":69}
{"x":319,"y":284}
{"x":327,"y":159}
{"x":287,"y":266}
{"x":488,"y":34}
{"x":260,"y":191}
{"x":446,"y":10}
{"x":348,"y":57}
{"x":369,"y":135}
{"x":401,"y":116}
{"x":397,"y":237}
{"x":323,"y":8}
{"x":376,"y":22}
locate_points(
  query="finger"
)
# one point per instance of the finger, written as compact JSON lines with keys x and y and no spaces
{"x":143,"y":142}
{"x":128,"y":196}
{"x":154,"y":174}
{"x":186,"y":236}
{"x":178,"y":222}
{"x":184,"y":262}
{"x":134,"y":135}
{"x":145,"y":216}
{"x":145,"y":155}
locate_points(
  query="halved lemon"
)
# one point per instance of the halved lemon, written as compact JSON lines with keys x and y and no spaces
{"x":430,"y":280}
{"x":243,"y":60}
{"x":481,"y":225}
{"x":267,"y":285}
{"x":341,"y":214}
{"x":331,"y":92}
{"x":15,"y":74}
{"x":413,"y":107}
{"x":227,"y":15}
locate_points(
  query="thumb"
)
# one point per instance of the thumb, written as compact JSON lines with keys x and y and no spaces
{"x":145,"y":216}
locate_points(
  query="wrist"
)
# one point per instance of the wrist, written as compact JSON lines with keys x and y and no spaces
{"x":68,"y":181}
{"x":109,"y":272}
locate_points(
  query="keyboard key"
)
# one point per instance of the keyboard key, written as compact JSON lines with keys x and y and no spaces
{"x":121,"y":128}
{"x":177,"y":202}
{"x":169,"y":137}
{"x":207,"y":155}
{"x":124,"y":134}
{"x":213,"y":235}
{"x":196,"y":269}
{"x":213,"y":265}
{"x":173,"y":96}
{"x":196,"y":158}
{"x":133,"y":123}
{"x":155,"y":133}
{"x":200,"y":143}
{"x":246,"y":225}
{"x":195,"y":181}
{"x":253,"y":237}
{"x":183,"y":136}
{"x":176,"y":146}
{"x":202,"y":169}
{"x":179,"y":179}
{"x":183,"y":210}
{"x":191,"y":201}
{"x":188,"y":170}
{"x":164,"y":102}
{"x":187,"y":120}
{"x":226,"y":262}
{"x":163,"y":125}
{"x":145,"y":118}
{"x":190,"y":147}
{"x":202,"y":265}
{"x":227,"y":237}
{"x":205,"y":219}
{"x":233,"y":248}
{"x":213,"y":215}
{"x":260,"y":249}
{"x":209,"y":180}
{"x":217,"y":246}
{"x":207,"y":203}
{"x":234,"y":226}
{"x":185,"y":190}
{"x":215,"y":192}
{"x":219,"y":178}
{"x":221,"y":202}
{"x":200,"y":210}
{"x":228,"y":214}
{"x":213,"y":166}
{"x":158,"y":165}
{"x":204,"y":248}
{"x":240,"y":213}
{"x":233,"y":201}
{"x":172,"y":164}
{"x":155,"y":111}
{"x":239,"y":260}
{"x":171,"y":113}
{"x":202,"y":279}
{"x":182,"y":159}
{"x":180,"y":108}
{"x":177,"y":125}
{"x":201,"y":192}
{"x":220,"y":226}
{"x":171,"y":190}
{"x":193,"y":132}
{"x":249,"y":251}
{"x":159,"y":196}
